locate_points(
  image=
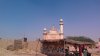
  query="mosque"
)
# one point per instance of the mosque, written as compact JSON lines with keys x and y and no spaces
{"x":53,"y":34}
{"x":53,"y":43}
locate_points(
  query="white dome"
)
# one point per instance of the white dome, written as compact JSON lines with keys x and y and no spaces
{"x":61,"y":19}
{"x":44,"y":29}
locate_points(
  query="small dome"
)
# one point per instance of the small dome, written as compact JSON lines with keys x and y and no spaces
{"x":61,"y":19}
{"x":44,"y":29}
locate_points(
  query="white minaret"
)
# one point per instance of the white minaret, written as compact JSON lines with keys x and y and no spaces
{"x":44,"y":33}
{"x":61,"y":28}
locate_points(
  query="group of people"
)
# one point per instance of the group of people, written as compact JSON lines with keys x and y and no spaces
{"x":60,"y":50}
{"x":76,"y":53}
{"x":53,"y":49}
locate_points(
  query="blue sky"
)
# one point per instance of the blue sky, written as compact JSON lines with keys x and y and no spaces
{"x":29,"y":17}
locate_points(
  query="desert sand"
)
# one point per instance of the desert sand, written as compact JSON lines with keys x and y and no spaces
{"x":32,"y":50}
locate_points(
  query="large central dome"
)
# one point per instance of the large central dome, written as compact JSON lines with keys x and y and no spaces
{"x":53,"y":30}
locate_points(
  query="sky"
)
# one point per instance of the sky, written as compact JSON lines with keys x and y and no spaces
{"x":19,"y":18}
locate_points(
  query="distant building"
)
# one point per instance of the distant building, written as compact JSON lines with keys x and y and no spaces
{"x":20,"y":43}
{"x":17,"y":44}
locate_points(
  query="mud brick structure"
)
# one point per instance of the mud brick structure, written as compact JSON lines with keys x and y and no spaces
{"x":18,"y":44}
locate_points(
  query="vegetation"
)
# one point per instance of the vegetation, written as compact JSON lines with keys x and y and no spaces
{"x":81,"y":38}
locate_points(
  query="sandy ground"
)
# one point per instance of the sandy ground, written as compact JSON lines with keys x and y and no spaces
{"x":17,"y":53}
{"x":30,"y":51}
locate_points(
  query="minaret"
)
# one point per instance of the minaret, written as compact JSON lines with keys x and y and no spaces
{"x":61,"y":29}
{"x":44,"y":33}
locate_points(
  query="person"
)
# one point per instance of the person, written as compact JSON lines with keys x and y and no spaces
{"x":71,"y":54}
{"x":76,"y":53}
{"x":88,"y":54}
{"x":85,"y":52}
{"x":67,"y":51}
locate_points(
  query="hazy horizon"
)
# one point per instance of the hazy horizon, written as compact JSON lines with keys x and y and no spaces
{"x":19,"y":18}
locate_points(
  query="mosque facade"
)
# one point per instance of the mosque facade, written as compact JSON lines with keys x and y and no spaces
{"x":53,"y":34}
